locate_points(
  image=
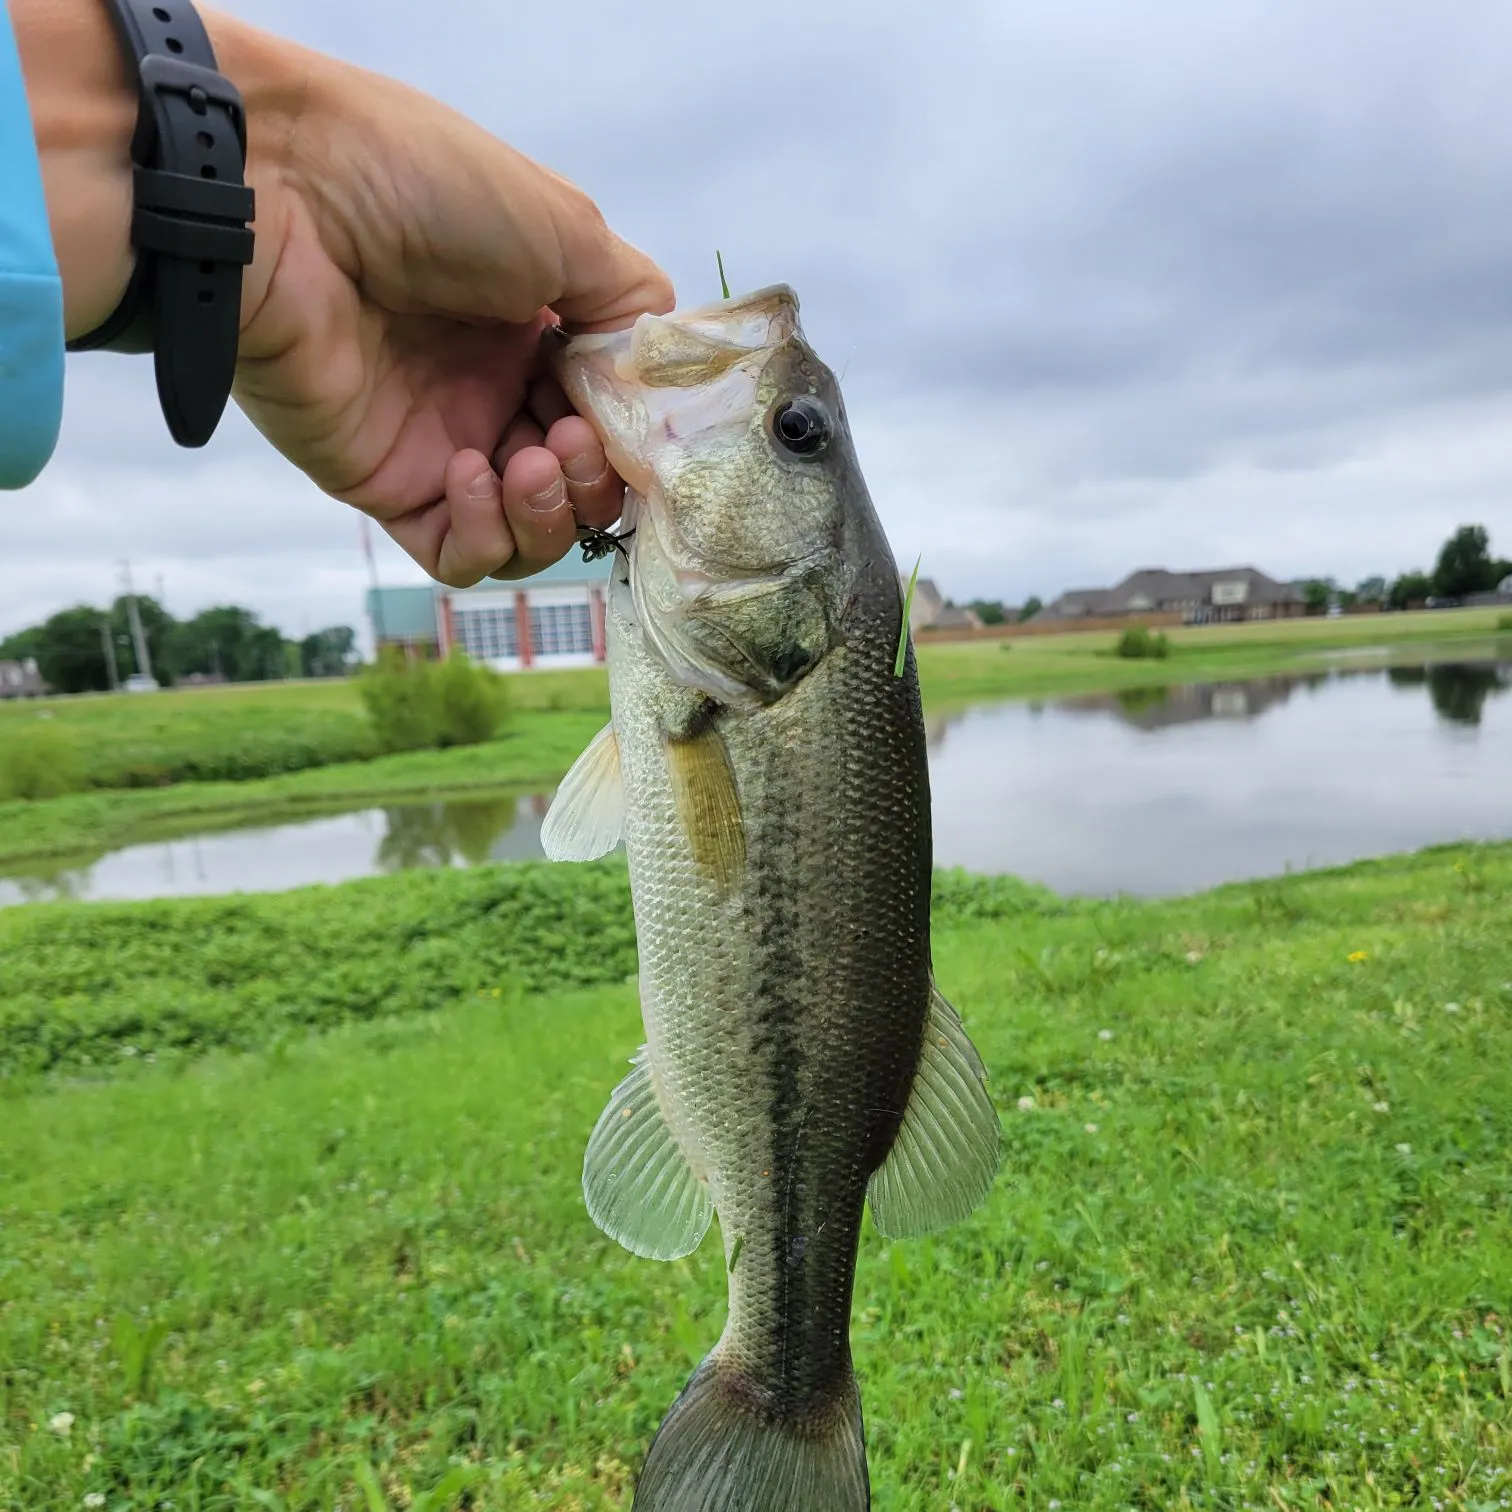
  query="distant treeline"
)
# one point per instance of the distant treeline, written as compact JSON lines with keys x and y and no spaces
{"x":1465,"y":566}
{"x":73,"y":648}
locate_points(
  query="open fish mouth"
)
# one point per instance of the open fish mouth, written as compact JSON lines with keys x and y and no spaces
{"x":672,"y":380}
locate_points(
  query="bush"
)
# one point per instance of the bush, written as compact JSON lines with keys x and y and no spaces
{"x":40,"y":760}
{"x":401,"y":702}
{"x":414,"y":705}
{"x":1138,"y":643}
{"x":1505,"y":622}
{"x":472,"y":700}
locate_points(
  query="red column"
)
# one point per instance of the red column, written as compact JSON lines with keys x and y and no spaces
{"x":596,"y":620}
{"x":522,"y":628}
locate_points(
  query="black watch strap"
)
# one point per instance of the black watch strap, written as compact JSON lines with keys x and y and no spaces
{"x":189,"y":219}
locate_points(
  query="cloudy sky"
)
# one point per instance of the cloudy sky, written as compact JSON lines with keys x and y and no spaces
{"x":1109,"y":285}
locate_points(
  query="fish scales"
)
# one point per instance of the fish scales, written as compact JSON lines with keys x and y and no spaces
{"x":767,"y":773}
{"x":763,"y":1007}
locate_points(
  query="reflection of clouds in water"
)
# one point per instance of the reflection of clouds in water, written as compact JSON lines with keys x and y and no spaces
{"x":329,"y":848}
{"x":1163,"y":796}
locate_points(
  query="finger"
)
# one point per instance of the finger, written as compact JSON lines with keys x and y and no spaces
{"x":478,"y":539}
{"x":606,"y":282}
{"x":523,"y":432}
{"x":546,"y":403}
{"x":537,"y":510}
{"x":594,"y":489}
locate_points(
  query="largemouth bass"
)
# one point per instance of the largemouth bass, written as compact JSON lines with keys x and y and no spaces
{"x":766,"y":771}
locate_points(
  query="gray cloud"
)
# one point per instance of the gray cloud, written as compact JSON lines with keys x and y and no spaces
{"x":1108,"y":286}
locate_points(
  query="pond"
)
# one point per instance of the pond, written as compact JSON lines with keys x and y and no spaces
{"x":1148,"y":792}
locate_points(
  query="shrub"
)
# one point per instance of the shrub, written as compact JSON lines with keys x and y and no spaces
{"x":1505,"y":622}
{"x":473,"y":700}
{"x":415,"y":705}
{"x":1138,"y":643}
{"x":40,"y":760}
{"x":401,"y":699}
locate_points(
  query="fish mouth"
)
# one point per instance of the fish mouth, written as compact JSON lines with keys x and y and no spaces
{"x":669,"y":378}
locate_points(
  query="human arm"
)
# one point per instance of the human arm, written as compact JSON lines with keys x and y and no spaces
{"x":31,"y":301}
{"x":406,"y":263}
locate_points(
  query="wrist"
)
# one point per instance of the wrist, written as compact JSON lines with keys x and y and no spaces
{"x":83,"y":96}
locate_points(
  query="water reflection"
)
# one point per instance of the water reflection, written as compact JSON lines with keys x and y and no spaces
{"x":1168,"y":791}
{"x":463,"y":831}
{"x":330,"y":848}
{"x":1145,"y":790}
{"x":1459,"y":692}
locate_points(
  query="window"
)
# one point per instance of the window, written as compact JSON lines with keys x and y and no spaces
{"x":486,"y":634}
{"x":560,"y":629}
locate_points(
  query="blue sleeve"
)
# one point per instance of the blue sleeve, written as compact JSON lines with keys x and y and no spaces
{"x":31,"y":293}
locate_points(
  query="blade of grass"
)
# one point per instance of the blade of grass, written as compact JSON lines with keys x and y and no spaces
{"x":367,"y":1482}
{"x":724,"y":286}
{"x":913,"y":582}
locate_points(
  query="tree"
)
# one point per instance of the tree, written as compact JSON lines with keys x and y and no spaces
{"x":1409,"y":589}
{"x":1371,"y":590}
{"x":1031,"y":608}
{"x":328,"y":652}
{"x":1316,"y":594}
{"x":70,"y":654}
{"x":1465,"y":564}
{"x":987,"y":611}
{"x":230,"y":642}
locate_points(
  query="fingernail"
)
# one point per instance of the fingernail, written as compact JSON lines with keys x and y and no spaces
{"x":548,"y":500}
{"x":585,"y":469}
{"x":484,"y":486}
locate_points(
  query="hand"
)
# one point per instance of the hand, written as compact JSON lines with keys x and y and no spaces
{"x":406,"y":265}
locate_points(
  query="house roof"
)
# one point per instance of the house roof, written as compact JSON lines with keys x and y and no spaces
{"x":955,"y":618}
{"x":1200,"y":582}
{"x":1074,"y":602}
{"x":407,"y":613}
{"x":571,"y":569}
{"x":1151,"y":587}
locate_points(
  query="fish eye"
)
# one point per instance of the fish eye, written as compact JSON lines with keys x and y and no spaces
{"x":801,"y":425}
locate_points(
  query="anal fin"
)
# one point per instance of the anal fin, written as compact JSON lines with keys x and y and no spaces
{"x":638,"y":1185}
{"x":708,"y":807}
{"x":946,"y":1155}
{"x":587,"y":816}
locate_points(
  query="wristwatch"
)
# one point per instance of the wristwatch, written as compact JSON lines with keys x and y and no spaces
{"x":191,"y":206}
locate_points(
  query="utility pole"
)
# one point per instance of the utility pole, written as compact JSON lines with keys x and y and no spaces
{"x":107,"y":640}
{"x":377,"y":599}
{"x":139,"y":638}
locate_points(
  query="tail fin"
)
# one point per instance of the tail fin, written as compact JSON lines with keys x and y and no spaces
{"x":722,"y":1450}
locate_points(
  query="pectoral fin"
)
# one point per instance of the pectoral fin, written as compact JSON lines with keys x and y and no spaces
{"x":708,"y":807}
{"x":638,"y":1185}
{"x":587,"y":815}
{"x":945,"y":1157}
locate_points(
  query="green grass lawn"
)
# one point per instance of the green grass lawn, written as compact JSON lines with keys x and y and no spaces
{"x":1252,"y":1245}
{"x":1083,"y":662}
{"x":311,"y":733}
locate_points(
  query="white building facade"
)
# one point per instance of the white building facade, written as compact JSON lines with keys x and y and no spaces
{"x":554,"y":619}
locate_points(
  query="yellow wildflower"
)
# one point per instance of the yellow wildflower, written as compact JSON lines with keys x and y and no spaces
{"x":1356,"y":956}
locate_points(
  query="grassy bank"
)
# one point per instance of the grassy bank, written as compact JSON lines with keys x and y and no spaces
{"x":79,"y":828}
{"x":535,"y":750}
{"x":960,"y":671}
{"x":244,"y":732}
{"x":1252,"y":1246}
